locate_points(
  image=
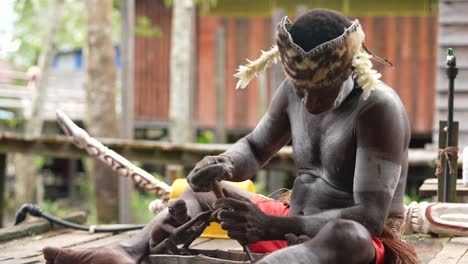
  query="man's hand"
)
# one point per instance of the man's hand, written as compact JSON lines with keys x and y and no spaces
{"x":210,"y":168}
{"x":243,"y":220}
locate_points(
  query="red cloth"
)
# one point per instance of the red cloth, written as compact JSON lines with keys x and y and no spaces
{"x":269,"y":207}
{"x":379,"y":250}
{"x":276,"y":208}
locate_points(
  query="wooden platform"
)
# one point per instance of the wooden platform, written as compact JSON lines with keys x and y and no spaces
{"x":429,"y":188}
{"x":28,"y":249}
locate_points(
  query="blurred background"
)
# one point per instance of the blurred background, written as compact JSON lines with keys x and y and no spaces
{"x":162,"y":70}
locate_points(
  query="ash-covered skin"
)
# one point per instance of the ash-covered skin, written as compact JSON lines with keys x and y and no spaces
{"x":351,"y":172}
{"x":352,"y":165}
{"x":176,"y":217}
{"x":335,"y":238}
{"x":352,"y":162}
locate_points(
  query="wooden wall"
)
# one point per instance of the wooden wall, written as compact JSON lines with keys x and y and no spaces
{"x":152,"y":64}
{"x":409,"y":42}
{"x":453,"y":28}
{"x":245,"y":37}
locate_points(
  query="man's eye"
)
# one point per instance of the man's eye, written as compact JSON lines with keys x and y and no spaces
{"x":300,"y":92}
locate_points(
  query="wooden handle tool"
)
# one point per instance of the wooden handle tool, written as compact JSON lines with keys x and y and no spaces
{"x":219,"y":194}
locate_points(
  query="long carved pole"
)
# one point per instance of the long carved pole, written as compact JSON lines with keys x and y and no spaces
{"x":452,"y":72}
{"x":118,"y":163}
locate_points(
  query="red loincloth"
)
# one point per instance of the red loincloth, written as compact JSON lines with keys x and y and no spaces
{"x":379,"y":250}
{"x":273,"y":207}
{"x":269,"y":207}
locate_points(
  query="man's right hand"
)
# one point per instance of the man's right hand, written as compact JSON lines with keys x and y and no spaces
{"x":210,"y":168}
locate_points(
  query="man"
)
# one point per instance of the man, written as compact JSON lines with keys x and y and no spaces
{"x":350,"y":146}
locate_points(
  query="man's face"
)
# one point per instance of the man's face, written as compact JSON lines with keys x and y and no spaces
{"x":319,"y":100}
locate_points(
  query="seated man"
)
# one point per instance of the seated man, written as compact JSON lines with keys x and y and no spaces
{"x":350,"y":146}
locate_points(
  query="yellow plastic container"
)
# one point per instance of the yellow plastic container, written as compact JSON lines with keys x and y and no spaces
{"x":214,"y":230}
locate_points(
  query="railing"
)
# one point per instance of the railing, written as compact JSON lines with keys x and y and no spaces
{"x":150,"y":152}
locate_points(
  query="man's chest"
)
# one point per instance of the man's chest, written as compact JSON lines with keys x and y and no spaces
{"x":325,"y":143}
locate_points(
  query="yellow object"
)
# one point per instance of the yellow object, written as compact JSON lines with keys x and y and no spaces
{"x":214,"y":230}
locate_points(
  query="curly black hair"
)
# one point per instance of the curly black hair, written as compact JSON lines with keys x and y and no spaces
{"x":318,"y":26}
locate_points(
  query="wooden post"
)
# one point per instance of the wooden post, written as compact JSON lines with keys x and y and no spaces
{"x":100,"y":82}
{"x":127,"y":115}
{"x":454,"y":162}
{"x":220,"y":70}
{"x":182,"y":68}
{"x":451,"y":17}
{"x":183,"y":46}
{"x":25,"y":169}
{"x":3,"y":167}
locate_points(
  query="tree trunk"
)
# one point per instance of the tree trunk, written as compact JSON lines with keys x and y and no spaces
{"x":182,"y":72}
{"x":25,"y":170}
{"x":101,"y":116}
{"x":127,"y":38}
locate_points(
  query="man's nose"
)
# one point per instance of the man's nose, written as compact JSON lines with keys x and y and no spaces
{"x":304,"y":95}
{"x":309,"y":100}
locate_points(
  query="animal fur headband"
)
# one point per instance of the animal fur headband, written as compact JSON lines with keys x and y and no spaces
{"x":330,"y":62}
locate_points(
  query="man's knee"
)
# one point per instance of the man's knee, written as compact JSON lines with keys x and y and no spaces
{"x":349,"y":240}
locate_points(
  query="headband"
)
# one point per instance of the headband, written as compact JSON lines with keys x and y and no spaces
{"x":328,"y":63}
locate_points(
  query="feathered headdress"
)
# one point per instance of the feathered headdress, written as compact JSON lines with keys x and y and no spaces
{"x":330,"y":62}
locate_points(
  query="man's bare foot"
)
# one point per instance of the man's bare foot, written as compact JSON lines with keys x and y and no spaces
{"x":104,"y":255}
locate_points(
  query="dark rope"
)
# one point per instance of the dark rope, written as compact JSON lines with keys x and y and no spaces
{"x":34,"y":210}
{"x":448,"y":153}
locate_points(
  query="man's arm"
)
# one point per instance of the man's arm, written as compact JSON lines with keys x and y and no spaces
{"x":242,"y":160}
{"x":273,"y":131}
{"x":383,"y":135}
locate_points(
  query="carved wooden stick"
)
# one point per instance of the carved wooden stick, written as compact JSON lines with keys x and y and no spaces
{"x":217,"y":190}
{"x":219,"y":194}
{"x":118,"y":163}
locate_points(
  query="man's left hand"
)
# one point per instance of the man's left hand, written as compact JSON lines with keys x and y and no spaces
{"x":243,"y":220}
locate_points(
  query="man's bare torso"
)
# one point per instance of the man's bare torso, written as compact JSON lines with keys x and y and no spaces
{"x":324,"y":150}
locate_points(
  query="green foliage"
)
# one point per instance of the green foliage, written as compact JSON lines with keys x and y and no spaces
{"x":141,"y":201}
{"x":85,"y":188}
{"x":144,"y":28}
{"x":412,"y":196}
{"x":33,"y":22}
{"x":260,"y":188}
{"x":54,"y":208}
{"x":158,"y":176}
{"x":40,"y":161}
{"x":11,"y":123}
{"x":206,"y":137}
{"x":28,"y":30}
{"x":140,"y":209}
{"x":407,"y":199}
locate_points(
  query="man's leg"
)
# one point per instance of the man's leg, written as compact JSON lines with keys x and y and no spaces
{"x":340,"y":241}
{"x":134,"y":249}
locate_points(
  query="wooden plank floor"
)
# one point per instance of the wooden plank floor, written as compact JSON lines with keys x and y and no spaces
{"x":28,"y":250}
